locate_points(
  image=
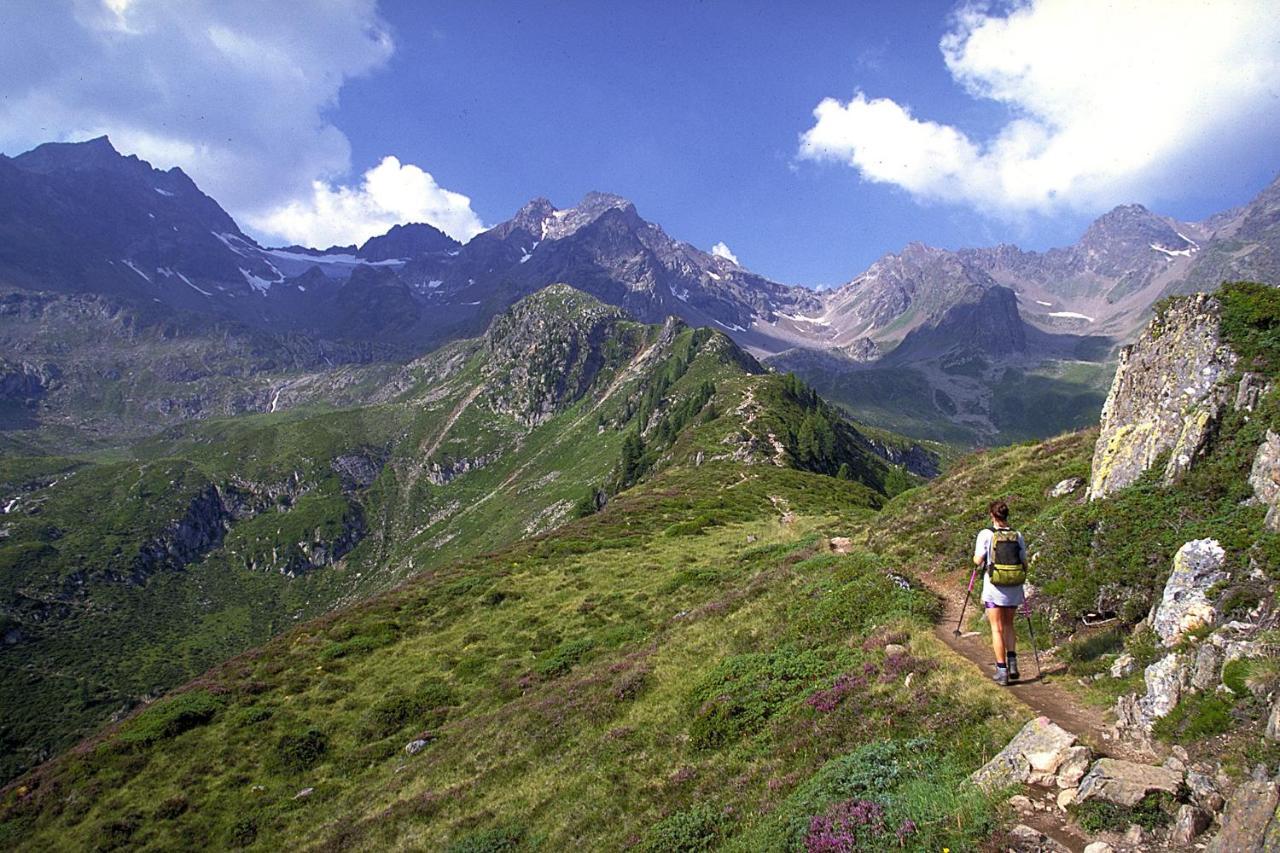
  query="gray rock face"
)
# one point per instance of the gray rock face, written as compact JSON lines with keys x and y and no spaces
{"x":1273,"y":722}
{"x":1033,"y":756}
{"x":1265,"y":478}
{"x":1126,"y":782}
{"x":1250,"y":824}
{"x":1185,"y":606}
{"x":1166,"y":396}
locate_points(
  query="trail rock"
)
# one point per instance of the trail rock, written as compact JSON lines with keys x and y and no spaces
{"x":1066,"y":487}
{"x":1167,"y":395}
{"x":1125,"y":782}
{"x":1167,"y":680}
{"x":1099,"y":847}
{"x":1265,"y":478}
{"x":1190,"y":822}
{"x":1250,"y":824}
{"x":893,"y":650}
{"x":1066,"y":797}
{"x":1024,"y":839}
{"x":1185,"y":605}
{"x":842,"y":544}
{"x":1020,"y":803}
{"x":1033,"y":756}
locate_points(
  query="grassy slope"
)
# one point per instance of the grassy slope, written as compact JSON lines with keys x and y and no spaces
{"x":88,"y":650}
{"x":629,"y":678}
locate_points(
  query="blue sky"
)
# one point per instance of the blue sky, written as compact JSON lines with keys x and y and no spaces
{"x":950,"y":124}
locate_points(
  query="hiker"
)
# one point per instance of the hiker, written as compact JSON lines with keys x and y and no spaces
{"x":1002,"y":555}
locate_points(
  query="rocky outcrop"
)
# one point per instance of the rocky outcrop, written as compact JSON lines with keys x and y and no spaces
{"x":440,"y":473}
{"x":1126,"y":782}
{"x":1265,"y":478}
{"x":546,"y":351}
{"x":199,"y":530}
{"x":1185,"y":604}
{"x":1167,"y":396}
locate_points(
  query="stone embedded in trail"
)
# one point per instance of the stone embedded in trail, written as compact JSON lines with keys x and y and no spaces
{"x":1250,"y":824}
{"x":1033,"y":756}
{"x":1265,"y":478}
{"x":1185,"y":605}
{"x":1024,"y":839}
{"x":1099,"y":847}
{"x":1125,"y":782}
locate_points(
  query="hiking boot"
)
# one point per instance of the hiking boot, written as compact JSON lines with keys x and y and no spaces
{"x":1013,"y":666}
{"x":1001,"y":677}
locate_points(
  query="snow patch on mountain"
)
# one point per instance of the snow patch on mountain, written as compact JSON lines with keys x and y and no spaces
{"x":1070,"y":315}
{"x":130,"y":264}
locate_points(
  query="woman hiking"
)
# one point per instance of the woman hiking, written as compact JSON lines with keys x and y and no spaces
{"x":1002,"y":554}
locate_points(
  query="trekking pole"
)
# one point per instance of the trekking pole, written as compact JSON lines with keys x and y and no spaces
{"x":967,"y":593}
{"x":1031,"y":629}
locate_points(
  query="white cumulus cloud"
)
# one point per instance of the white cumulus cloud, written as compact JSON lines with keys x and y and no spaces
{"x":239,"y":93}
{"x":390,"y":193}
{"x":720,"y":250}
{"x":1107,"y":102}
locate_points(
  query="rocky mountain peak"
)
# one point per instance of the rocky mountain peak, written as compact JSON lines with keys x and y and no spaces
{"x":407,"y":241}
{"x":545,"y":351}
{"x":97,"y":153}
{"x":1132,"y":225}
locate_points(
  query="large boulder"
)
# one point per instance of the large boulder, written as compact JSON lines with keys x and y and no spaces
{"x":1251,"y":823}
{"x":1126,"y":782}
{"x":1265,"y":478}
{"x":1032,"y":757}
{"x":1185,"y":604}
{"x":1167,"y":396}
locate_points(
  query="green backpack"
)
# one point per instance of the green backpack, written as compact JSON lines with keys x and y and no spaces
{"x":1006,"y":567}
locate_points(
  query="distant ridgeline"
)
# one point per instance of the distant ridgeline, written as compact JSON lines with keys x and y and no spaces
{"x":132,"y":300}
{"x":120,"y":579}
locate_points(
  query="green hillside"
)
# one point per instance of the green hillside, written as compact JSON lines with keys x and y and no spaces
{"x":685,"y":667}
{"x":121,"y":579}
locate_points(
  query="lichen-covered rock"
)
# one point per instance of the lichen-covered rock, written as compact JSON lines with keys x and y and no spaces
{"x":1273,"y":722}
{"x":1265,"y":478}
{"x":1167,"y":394}
{"x":1032,"y":757}
{"x":1250,"y":824}
{"x":1125,"y":782}
{"x":1185,"y":605}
